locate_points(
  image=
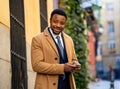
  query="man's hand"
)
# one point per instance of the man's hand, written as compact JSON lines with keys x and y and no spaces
{"x":68,"y":67}
{"x":72,"y":67}
{"x":77,"y":66}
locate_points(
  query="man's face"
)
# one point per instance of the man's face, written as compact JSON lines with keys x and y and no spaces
{"x":57,"y":23}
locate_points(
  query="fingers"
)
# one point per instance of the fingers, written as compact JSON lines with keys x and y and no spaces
{"x":76,"y":63}
{"x":71,"y":67}
{"x":77,"y":69}
{"x":68,"y":67}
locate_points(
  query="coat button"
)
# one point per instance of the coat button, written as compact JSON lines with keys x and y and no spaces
{"x":55,"y":58}
{"x":54,"y":83}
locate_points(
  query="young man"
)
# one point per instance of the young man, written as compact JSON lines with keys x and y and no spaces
{"x":53,"y":55}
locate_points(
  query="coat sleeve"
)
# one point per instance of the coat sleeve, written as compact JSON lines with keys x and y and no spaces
{"x":38,"y":63}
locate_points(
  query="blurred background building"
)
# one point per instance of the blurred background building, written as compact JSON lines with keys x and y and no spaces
{"x":93,"y":7}
{"x":104,"y":23}
{"x":110,"y":39}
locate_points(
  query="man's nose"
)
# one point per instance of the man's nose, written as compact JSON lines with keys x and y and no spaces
{"x":58,"y":24}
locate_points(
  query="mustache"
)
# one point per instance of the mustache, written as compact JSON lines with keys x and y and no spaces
{"x":57,"y":27}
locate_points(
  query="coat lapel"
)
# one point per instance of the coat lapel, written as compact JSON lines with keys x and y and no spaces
{"x":50,"y":40}
{"x":67,"y":46}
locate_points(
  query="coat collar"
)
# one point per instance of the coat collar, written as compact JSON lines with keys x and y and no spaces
{"x":50,"y":40}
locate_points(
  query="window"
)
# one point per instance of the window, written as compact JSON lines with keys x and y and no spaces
{"x":118,"y":61}
{"x":111,"y":28}
{"x":111,"y":46}
{"x":18,"y":45}
{"x":109,"y":7}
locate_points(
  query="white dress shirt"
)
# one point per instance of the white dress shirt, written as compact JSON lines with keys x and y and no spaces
{"x":54,"y":36}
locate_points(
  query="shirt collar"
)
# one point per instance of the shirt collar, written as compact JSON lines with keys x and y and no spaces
{"x":54,"y":35}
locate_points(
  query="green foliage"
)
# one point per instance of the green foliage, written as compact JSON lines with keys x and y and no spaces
{"x":76,"y":28}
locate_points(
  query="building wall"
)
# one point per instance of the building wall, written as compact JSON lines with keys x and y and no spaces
{"x":107,"y":16}
{"x":32,"y":28}
{"x":5,"y":66}
{"x":91,"y":58}
{"x":4,"y":12}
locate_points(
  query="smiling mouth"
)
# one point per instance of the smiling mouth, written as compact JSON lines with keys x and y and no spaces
{"x":57,"y":29}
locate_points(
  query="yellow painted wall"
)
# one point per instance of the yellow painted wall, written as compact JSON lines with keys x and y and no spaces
{"x":50,"y":7}
{"x":32,"y":18}
{"x":32,"y":28}
{"x":4,"y":12}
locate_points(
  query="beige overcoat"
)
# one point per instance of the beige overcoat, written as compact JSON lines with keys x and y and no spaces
{"x":45,"y":60}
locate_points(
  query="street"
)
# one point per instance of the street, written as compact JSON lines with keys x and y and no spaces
{"x":104,"y":84}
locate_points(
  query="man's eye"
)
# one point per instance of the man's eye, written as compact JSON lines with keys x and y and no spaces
{"x":55,"y":21}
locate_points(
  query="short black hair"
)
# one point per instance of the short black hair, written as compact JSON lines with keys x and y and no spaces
{"x":58,"y":11}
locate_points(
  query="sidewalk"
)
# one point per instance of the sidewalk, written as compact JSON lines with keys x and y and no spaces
{"x":104,"y":84}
